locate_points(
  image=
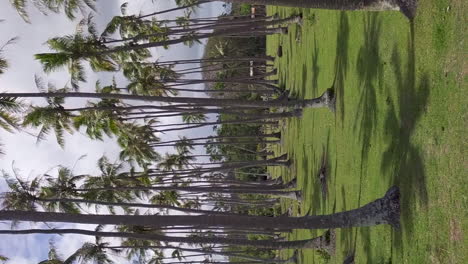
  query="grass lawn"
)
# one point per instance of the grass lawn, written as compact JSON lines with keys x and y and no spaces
{"x":401,"y":119}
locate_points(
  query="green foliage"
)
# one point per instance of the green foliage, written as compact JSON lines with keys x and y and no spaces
{"x":69,"y":7}
{"x":245,"y":9}
{"x":3,"y":62}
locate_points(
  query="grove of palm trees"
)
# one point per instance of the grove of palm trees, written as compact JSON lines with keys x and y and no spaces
{"x":202,"y":131}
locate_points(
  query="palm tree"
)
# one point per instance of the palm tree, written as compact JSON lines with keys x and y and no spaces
{"x":53,"y":257}
{"x":182,"y":4}
{"x":49,"y":118}
{"x":133,"y":139}
{"x":385,"y":210}
{"x":69,"y":7}
{"x":92,"y":253}
{"x":149,"y":80}
{"x":9,"y":107}
{"x":314,"y":243}
{"x":59,"y":192}
{"x":111,"y":175}
{"x":68,"y":47}
{"x":87,"y":253}
{"x":3,"y":62}
{"x":27,"y":195}
{"x":325,"y":100}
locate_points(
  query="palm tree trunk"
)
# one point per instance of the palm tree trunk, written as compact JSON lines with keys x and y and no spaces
{"x":176,"y":8}
{"x":225,"y":59}
{"x":322,"y":101}
{"x":222,"y":143}
{"x":231,"y":189}
{"x":206,"y":252}
{"x":189,"y":126}
{"x":315,"y":243}
{"x":385,"y":210}
{"x":277,"y":135}
{"x":142,"y":205}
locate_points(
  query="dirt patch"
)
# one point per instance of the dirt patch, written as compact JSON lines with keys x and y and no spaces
{"x":456,"y":233}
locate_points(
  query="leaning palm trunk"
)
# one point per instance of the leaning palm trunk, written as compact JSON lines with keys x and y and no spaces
{"x":315,"y":243}
{"x":126,"y":110}
{"x":239,"y":165}
{"x":141,"y":205}
{"x":277,"y":135}
{"x":197,"y":189}
{"x":222,"y":143}
{"x":253,"y":119}
{"x":253,"y":25}
{"x":206,"y":252}
{"x":202,"y":125}
{"x":196,"y":3}
{"x":263,"y":59}
{"x":407,"y":7}
{"x":322,"y":101}
{"x":385,"y":210}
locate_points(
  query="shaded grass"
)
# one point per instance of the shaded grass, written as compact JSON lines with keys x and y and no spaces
{"x":401,"y":120}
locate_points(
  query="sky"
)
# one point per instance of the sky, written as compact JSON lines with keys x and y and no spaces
{"x":81,"y":153}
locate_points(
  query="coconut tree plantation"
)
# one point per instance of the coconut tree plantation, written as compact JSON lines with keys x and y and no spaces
{"x":239,"y":131}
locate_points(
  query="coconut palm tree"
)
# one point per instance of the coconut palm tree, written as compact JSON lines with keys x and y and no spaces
{"x":314,"y":243}
{"x":3,"y":62}
{"x":92,"y":253}
{"x":28,"y":195}
{"x":49,"y":118}
{"x":133,"y":139}
{"x":88,"y":253}
{"x":385,"y":210}
{"x":110,"y":175}
{"x":9,"y":108}
{"x":149,"y":80}
{"x":59,"y":195}
{"x":325,"y":100}
{"x":69,"y":7}
{"x":53,"y":257}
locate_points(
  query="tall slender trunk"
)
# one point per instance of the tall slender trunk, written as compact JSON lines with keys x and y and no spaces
{"x":220,"y":32}
{"x":385,"y":210}
{"x":231,"y":189}
{"x":142,"y":205}
{"x":254,"y":119}
{"x":189,"y":126}
{"x":309,"y":243}
{"x":240,"y":165}
{"x":206,"y":252}
{"x":224,"y":59}
{"x":277,"y":135}
{"x":312,"y":103}
{"x":176,"y":8}
{"x":221,"y":143}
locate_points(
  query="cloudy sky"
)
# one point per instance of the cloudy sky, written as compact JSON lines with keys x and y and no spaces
{"x":21,"y":148}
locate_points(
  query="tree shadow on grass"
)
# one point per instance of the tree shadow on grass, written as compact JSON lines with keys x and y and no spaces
{"x":369,"y":72}
{"x":341,"y":63}
{"x":315,"y":67}
{"x":348,"y":235}
{"x":402,"y":160}
{"x":312,"y":182}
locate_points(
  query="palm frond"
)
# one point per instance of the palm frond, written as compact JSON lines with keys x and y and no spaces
{"x":20,"y":6}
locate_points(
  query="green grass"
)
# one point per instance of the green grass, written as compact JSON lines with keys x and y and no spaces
{"x":401,"y":119}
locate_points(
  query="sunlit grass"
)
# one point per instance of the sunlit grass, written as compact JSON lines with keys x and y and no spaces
{"x":401,"y":119}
